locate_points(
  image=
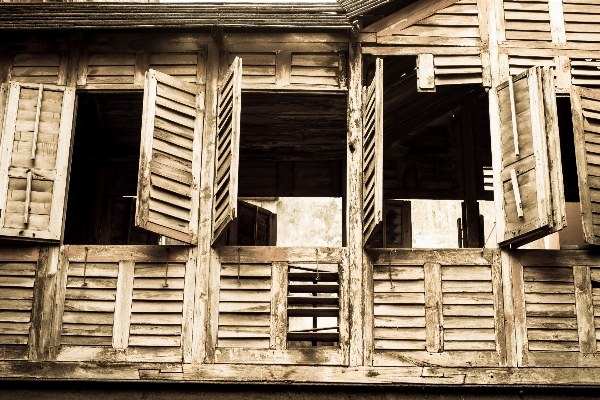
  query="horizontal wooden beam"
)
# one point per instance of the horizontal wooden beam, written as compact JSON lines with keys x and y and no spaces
{"x":266,"y":255}
{"x":440,"y":256}
{"x":138,"y":253}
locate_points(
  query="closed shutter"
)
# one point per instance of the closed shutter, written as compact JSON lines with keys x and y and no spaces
{"x":531,"y":176}
{"x":585,"y":105}
{"x":34,"y":160}
{"x":169,"y":174}
{"x":227,"y":152}
{"x":373,"y":152}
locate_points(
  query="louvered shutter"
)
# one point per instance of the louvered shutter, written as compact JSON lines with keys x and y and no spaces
{"x":169,"y":174}
{"x":585,"y":105}
{"x":373,"y":152}
{"x":531,"y":176}
{"x":34,"y":160}
{"x":227,"y":148}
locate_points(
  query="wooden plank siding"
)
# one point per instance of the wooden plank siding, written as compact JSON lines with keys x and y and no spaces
{"x":17,"y":276}
{"x":436,"y":307}
{"x":124,"y":303}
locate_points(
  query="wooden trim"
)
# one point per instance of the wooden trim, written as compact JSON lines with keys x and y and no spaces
{"x":391,"y":358}
{"x":344,"y":311}
{"x":585,"y":309}
{"x":123,"y":301}
{"x":267,"y":254}
{"x":434,"y":325}
{"x":19,"y":253}
{"x":439,"y":256}
{"x":354,"y":184}
{"x":279,"y":289}
{"x":308,"y":356}
{"x":419,"y":48}
{"x":137,"y":253}
{"x":59,"y":302}
{"x":407,"y":16}
{"x":425,"y":74}
{"x":103,"y":354}
{"x":368,"y":309}
{"x":499,"y":317}
{"x":187,"y":325}
{"x":519,"y":310}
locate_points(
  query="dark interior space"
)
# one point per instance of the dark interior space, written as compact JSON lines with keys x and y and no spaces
{"x":292,"y":145}
{"x":104,"y":171}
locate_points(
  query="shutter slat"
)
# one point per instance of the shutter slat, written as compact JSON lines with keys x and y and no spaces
{"x":169,"y":173}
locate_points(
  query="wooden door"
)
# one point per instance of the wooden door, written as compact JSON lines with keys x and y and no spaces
{"x":169,"y":173}
{"x":531,"y":175}
{"x":34,"y":160}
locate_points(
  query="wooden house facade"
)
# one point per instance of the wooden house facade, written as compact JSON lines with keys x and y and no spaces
{"x":132,"y":135}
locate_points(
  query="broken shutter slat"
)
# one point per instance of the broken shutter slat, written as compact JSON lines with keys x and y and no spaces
{"x":373,"y":152}
{"x":585,"y":104}
{"x":227,"y":148}
{"x":34,"y":160}
{"x":533,"y":202}
{"x":169,"y":174}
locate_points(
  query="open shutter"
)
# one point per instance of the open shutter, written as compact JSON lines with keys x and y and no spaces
{"x":227,"y":148}
{"x":34,"y":160}
{"x":169,"y":174}
{"x":531,"y":176}
{"x":585,"y":104}
{"x":373,"y":152}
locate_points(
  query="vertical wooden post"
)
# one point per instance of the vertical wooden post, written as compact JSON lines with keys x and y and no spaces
{"x":563,"y":74}
{"x":518,"y":295}
{"x":354,"y":204}
{"x":142,"y":64}
{"x":44,"y":291}
{"x":279,"y":289}
{"x":368,"y":304}
{"x":585,"y":309}
{"x":434,"y":330}
{"x":509,"y":313}
{"x":59,"y":301}
{"x":557,"y":21}
{"x":123,"y":301}
{"x":187,"y":325}
{"x":499,"y":325}
{"x":203,"y":336}
{"x":344,"y":312}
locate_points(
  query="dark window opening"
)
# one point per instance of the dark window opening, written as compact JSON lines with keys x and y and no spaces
{"x":437,"y":158}
{"x":292,"y":163}
{"x":104,"y":171}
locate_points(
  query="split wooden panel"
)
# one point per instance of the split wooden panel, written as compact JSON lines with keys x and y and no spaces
{"x":169,"y":174}
{"x":227,"y":149}
{"x":399,"y":307}
{"x":111,"y":69}
{"x":36,"y":68}
{"x":585,"y":72}
{"x":595,"y":284}
{"x":582,"y":20}
{"x":457,"y":23}
{"x":245,"y":306}
{"x":34,"y":160}
{"x":527,"y":20}
{"x":551,"y":318}
{"x":157,"y":306}
{"x":531,"y":177}
{"x":182,"y":66}
{"x":16,"y":298}
{"x":468,"y":308}
{"x":372,"y":160}
{"x":453,"y":70}
{"x":585,"y":104}
{"x":89,"y":305}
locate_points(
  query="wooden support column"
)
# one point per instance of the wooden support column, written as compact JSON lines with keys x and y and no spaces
{"x":142,"y":65}
{"x":585,"y":309}
{"x":204,"y":334}
{"x":464,"y":124}
{"x":499,"y":324}
{"x":123,"y":301}
{"x":434,"y":331}
{"x":518,"y":295}
{"x":279,"y":289}
{"x":44,"y":293}
{"x":59,"y":301}
{"x":354,"y":207}
{"x":425,"y":73}
{"x":187,"y":327}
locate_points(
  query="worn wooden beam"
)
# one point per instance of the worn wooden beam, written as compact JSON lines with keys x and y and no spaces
{"x":267,"y":254}
{"x":123,"y":301}
{"x":279,"y":292}
{"x":354,"y":214}
{"x":434,"y":323}
{"x":584,"y":307}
